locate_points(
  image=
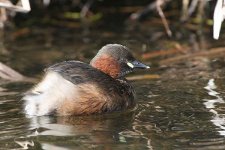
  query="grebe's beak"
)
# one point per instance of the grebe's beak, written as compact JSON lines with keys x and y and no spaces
{"x":137,"y":64}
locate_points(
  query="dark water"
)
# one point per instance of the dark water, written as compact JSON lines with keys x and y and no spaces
{"x":174,"y":112}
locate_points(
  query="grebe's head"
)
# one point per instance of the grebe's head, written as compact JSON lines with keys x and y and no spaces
{"x":116,"y":60}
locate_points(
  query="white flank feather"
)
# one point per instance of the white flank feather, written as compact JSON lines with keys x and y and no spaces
{"x":48,"y":95}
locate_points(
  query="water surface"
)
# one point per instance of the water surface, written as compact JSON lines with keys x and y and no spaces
{"x":183,"y":109}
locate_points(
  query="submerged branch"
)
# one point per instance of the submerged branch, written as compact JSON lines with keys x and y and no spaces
{"x":8,"y":73}
{"x":143,"y":77}
{"x":211,"y":53}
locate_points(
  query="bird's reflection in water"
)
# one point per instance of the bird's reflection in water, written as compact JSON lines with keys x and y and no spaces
{"x":85,"y":131}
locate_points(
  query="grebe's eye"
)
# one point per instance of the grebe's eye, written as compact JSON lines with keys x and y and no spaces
{"x":130,"y":65}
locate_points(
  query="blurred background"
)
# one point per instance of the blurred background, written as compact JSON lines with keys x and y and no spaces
{"x":160,"y":32}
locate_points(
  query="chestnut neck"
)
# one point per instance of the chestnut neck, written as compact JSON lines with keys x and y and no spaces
{"x":106,"y":64}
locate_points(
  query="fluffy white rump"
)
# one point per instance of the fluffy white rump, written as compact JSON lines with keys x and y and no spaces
{"x":48,"y":94}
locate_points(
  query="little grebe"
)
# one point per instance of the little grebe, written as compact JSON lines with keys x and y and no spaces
{"x":76,"y":88}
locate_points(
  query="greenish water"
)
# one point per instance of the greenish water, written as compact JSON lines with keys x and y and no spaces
{"x":183,"y":109}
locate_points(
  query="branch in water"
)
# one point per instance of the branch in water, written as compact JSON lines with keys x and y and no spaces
{"x":8,"y":73}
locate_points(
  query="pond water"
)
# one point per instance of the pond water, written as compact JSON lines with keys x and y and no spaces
{"x":183,"y":109}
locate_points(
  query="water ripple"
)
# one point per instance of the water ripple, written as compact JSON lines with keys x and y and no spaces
{"x":218,"y":119}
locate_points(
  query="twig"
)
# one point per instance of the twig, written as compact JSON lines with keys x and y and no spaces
{"x":159,"y":9}
{"x":159,"y":53}
{"x":152,"y":6}
{"x":143,"y":77}
{"x":211,"y":53}
{"x":192,"y":7}
{"x":187,"y":12}
{"x":8,"y":73}
{"x":86,"y":8}
{"x":184,"y":9}
{"x":3,"y":18}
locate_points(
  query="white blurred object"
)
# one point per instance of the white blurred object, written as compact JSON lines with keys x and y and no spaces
{"x":218,"y":17}
{"x":25,"y":144}
{"x":46,"y":2}
{"x":25,"y":5}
